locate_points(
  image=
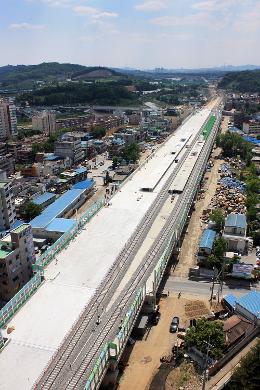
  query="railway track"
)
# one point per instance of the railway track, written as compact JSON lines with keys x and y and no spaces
{"x":112,"y":319}
{"x":86,"y":326}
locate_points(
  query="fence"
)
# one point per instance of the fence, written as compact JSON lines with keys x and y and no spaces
{"x":101,"y":365}
{"x":16,"y":302}
{"x":64,"y":240}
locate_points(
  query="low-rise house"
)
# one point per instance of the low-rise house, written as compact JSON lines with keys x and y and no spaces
{"x":235,"y":232}
{"x":206,"y":242}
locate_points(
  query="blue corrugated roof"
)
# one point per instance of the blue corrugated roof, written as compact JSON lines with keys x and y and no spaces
{"x":251,"y":302}
{"x":81,"y":170}
{"x":43,"y":198}
{"x":57,"y":208}
{"x":62,"y":225}
{"x":236,"y":220}
{"x":84,"y":185}
{"x":231,"y":300}
{"x":207,"y":239}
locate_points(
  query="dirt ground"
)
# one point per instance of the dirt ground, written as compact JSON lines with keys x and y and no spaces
{"x":144,"y":359}
{"x":189,"y":246}
{"x":183,"y":377}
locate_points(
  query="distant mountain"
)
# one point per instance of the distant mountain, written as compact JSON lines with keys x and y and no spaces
{"x":26,"y":76}
{"x":246,"y":81}
{"x":95,"y":73}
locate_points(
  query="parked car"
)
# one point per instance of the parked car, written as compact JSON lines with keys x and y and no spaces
{"x":156,"y":317}
{"x":174,"y":324}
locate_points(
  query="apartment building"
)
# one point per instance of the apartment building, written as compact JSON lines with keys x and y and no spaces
{"x":44,"y":122}
{"x":8,"y":120}
{"x":7,"y":206}
{"x":7,"y":164}
{"x":16,"y":258}
{"x":251,"y":127}
{"x":70,"y":147}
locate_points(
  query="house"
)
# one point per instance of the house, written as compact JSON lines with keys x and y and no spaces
{"x":247,"y":305}
{"x":235,"y":232}
{"x":235,"y":328}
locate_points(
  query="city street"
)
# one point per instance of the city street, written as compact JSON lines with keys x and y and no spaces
{"x":202,"y":287}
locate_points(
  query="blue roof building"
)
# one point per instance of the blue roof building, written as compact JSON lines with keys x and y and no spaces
{"x":87,"y":184}
{"x":236,"y":221}
{"x":247,"y":305}
{"x":206,"y":242}
{"x":45,"y":199}
{"x":61,"y":225}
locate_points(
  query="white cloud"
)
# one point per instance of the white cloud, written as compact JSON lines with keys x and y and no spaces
{"x":54,"y":3}
{"x":171,"y":21}
{"x":94,"y":12}
{"x":26,"y":26}
{"x":151,"y":5}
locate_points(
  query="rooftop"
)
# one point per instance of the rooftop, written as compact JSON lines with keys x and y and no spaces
{"x":44,"y":198}
{"x":207,"y":239}
{"x":42,"y":323}
{"x":57,"y":208}
{"x":236,"y":220}
{"x":21,"y":228}
{"x":61,"y":225}
{"x":84,"y":185}
{"x":251,"y":302}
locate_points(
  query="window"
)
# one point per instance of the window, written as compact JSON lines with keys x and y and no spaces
{"x":10,"y":262}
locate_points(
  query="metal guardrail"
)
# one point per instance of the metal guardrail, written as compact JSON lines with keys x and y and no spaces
{"x":175,"y":231}
{"x":84,"y":321}
{"x":17,"y":301}
{"x":26,"y":291}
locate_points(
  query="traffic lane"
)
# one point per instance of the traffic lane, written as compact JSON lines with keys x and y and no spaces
{"x":204,"y":287}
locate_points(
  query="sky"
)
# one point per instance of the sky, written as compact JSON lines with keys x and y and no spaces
{"x":131,"y":33}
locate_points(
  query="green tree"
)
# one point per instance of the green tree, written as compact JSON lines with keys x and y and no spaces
{"x":218,"y":217}
{"x":114,"y":162}
{"x":99,"y":132}
{"x":131,"y":152}
{"x":219,"y":249}
{"x":203,"y":331}
{"x":247,"y":374}
{"x":30,"y":210}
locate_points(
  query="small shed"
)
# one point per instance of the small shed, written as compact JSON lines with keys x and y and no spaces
{"x":206,"y":242}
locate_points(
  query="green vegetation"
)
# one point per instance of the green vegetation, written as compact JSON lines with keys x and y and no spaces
{"x":216,"y":259}
{"x":131,"y":152}
{"x":98,"y":132}
{"x":246,"y":81}
{"x":48,"y":146}
{"x":218,"y":217}
{"x":22,"y":134}
{"x":30,"y":211}
{"x":247,"y":374}
{"x":234,"y":145}
{"x":203,"y":332}
{"x":70,"y":93}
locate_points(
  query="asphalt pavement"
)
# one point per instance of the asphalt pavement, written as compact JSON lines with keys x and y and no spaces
{"x":203,"y":287}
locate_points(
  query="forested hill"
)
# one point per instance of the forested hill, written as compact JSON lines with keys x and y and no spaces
{"x":246,"y":81}
{"x":25,"y":76}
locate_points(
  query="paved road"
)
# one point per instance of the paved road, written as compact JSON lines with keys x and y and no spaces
{"x":202,"y":287}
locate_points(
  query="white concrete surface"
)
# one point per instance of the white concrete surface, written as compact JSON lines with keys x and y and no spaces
{"x":42,"y":323}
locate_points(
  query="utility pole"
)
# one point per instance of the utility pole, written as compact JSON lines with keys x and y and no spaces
{"x":206,"y":365}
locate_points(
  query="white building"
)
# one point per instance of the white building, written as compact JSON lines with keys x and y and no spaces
{"x":8,"y":120}
{"x":235,"y":232}
{"x":71,"y":148}
{"x":44,"y":122}
{"x":16,"y":258}
{"x":251,"y":127}
{"x":7,"y":206}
